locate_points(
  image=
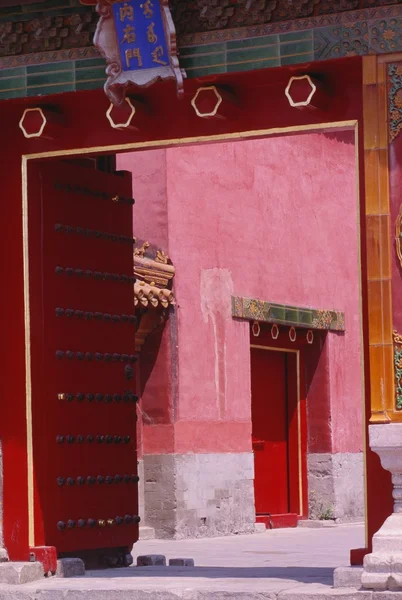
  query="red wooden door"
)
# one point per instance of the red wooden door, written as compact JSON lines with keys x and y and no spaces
{"x":82,"y":358}
{"x":270,"y":431}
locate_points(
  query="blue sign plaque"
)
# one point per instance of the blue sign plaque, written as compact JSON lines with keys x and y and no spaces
{"x":141,"y":34}
{"x":138,"y":40}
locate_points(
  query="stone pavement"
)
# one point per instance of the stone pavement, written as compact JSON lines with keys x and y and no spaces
{"x":286,"y":564}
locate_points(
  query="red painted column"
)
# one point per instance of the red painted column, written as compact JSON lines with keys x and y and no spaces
{"x":12,"y":351}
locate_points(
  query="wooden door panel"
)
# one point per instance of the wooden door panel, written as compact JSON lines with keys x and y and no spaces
{"x":294,"y":437}
{"x":269,"y":431}
{"x":83,"y":361}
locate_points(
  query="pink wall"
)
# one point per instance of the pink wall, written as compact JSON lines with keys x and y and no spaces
{"x":149,"y":192}
{"x":274,"y":219}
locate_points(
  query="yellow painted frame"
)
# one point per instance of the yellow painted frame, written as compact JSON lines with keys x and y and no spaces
{"x":378,"y":239}
{"x":118,"y":148}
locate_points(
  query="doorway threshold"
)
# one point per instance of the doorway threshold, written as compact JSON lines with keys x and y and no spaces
{"x":280,"y":521}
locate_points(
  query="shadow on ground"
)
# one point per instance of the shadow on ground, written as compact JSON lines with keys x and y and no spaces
{"x":300,"y":574}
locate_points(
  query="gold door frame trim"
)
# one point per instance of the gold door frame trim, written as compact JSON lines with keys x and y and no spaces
{"x":351,"y":125}
{"x":28,"y":380}
{"x":241,"y":135}
{"x":299,"y":436}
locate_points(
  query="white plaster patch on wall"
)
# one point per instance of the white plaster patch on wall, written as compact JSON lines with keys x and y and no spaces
{"x":216,"y":290}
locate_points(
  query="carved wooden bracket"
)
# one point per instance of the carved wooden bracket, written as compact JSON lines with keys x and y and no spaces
{"x":129,"y":115}
{"x":41,"y":122}
{"x":215,"y":102}
{"x":306,"y":92}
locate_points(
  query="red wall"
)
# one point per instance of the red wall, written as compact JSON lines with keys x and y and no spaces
{"x":263,"y":106}
{"x":274,"y":219}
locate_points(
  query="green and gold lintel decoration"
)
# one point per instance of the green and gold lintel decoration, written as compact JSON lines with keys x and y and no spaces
{"x":398,"y":368}
{"x":269,"y":312}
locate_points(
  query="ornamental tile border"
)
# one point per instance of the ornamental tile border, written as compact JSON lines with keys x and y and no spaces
{"x":268,"y":312}
{"x":22,"y":60}
{"x":339,"y":19}
{"x":398,"y":368}
{"x":347,"y":20}
{"x":359,"y":32}
{"x":395,"y":99}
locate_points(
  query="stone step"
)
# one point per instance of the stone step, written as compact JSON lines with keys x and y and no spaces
{"x":315,"y":523}
{"x":105,"y":591}
{"x":347,"y":577}
{"x":15,"y":573}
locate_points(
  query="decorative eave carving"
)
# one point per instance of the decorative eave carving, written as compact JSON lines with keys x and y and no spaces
{"x":152,"y":293}
{"x":210,"y":15}
{"x":46,"y":33}
{"x":155,"y":271}
{"x":120,"y":76}
{"x":28,"y":37}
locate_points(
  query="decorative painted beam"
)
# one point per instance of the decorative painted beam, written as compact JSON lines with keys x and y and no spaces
{"x":252,"y":309}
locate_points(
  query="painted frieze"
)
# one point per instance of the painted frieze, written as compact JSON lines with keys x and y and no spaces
{"x":209,"y":15}
{"x":398,"y":369}
{"x":394,"y":72}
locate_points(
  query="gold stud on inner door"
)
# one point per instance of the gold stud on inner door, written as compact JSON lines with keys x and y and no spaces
{"x":116,"y":199}
{"x":102,"y":523}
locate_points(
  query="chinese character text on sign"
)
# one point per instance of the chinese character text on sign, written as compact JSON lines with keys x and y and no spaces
{"x":141,"y":34}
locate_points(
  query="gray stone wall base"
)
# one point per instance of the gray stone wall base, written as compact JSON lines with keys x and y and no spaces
{"x":146,"y":533}
{"x":336,"y":486}
{"x":3,"y":555}
{"x":15,"y":573}
{"x":315,"y":524}
{"x":70,"y":567}
{"x":199,"y":495}
{"x":88,"y":592}
{"x":348,"y":577}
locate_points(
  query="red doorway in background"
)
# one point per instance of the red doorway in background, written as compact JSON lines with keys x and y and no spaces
{"x":276,"y":436}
